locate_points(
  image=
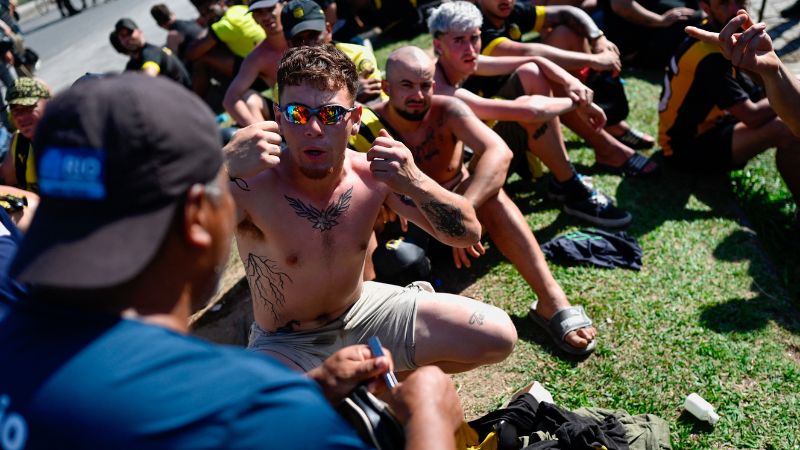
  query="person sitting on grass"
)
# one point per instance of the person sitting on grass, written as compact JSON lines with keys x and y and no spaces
{"x":306,"y":211}
{"x":436,"y":128}
{"x":752,"y":50}
{"x":529,"y":115}
{"x":118,"y":256}
{"x":715,"y":118}
{"x":572,"y":40}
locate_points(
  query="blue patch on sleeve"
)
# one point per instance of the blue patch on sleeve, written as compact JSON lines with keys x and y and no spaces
{"x":76,"y":173}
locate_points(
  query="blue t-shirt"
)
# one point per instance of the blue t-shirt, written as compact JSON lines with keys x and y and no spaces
{"x":10,"y":239}
{"x":73,"y":379}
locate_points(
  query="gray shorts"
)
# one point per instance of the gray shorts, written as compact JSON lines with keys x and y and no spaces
{"x":383,"y":310}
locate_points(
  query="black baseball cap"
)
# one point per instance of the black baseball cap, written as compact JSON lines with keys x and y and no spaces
{"x":302,"y":15}
{"x":125,"y":23}
{"x":115,"y":157}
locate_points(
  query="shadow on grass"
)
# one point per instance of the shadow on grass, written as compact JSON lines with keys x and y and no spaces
{"x":655,"y":201}
{"x":747,"y":315}
{"x":693,"y":424}
{"x":528,"y":331}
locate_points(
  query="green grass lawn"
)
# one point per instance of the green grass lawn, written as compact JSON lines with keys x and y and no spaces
{"x":708,"y":313}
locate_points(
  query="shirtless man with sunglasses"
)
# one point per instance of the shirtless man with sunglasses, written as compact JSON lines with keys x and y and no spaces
{"x":305,"y":214}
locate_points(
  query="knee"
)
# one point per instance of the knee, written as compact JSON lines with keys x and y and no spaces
{"x":532,"y":79}
{"x":499,"y":344}
{"x":564,"y":37}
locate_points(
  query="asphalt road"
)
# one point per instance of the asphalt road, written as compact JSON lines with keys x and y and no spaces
{"x":69,"y":47}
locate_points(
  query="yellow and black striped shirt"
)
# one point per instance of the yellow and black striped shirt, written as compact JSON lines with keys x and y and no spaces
{"x":699,"y":85}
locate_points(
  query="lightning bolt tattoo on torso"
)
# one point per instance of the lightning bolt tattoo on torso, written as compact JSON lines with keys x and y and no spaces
{"x":267,"y":283}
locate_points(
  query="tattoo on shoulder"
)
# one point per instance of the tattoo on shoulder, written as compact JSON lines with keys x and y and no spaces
{"x":459,"y":109}
{"x":322,"y":220}
{"x":267,"y":283}
{"x":406,"y":200}
{"x":446,"y":218}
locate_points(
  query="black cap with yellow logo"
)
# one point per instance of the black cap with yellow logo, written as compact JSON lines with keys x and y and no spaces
{"x":302,"y":15}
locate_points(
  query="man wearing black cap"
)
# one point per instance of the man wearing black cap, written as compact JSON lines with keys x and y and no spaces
{"x":132,"y":235}
{"x":303,"y":23}
{"x":149,"y":58}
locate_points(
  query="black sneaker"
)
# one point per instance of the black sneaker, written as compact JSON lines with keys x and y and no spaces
{"x":558,"y":192}
{"x":598,"y":209}
{"x":583,"y":201}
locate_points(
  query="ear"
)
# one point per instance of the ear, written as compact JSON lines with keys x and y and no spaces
{"x":437,"y":50}
{"x":385,"y":86}
{"x":196,"y":217}
{"x":356,"y":121}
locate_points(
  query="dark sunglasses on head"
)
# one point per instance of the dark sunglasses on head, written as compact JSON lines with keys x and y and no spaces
{"x":300,"y":114}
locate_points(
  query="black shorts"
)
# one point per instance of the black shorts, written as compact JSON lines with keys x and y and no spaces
{"x":711,"y":151}
{"x":514,"y":134}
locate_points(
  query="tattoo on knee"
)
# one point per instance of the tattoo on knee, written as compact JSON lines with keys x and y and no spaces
{"x":477,"y":318}
{"x":540,"y":131}
{"x":323,"y":220}
{"x":446,"y":218}
{"x":267,"y":283}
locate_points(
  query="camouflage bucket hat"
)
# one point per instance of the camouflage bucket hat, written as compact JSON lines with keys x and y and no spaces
{"x":26,"y":91}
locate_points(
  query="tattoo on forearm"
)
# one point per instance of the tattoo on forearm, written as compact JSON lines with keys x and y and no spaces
{"x":406,"y":200}
{"x":267,"y":283}
{"x":477,"y":319}
{"x":322,"y":220}
{"x":240,"y":183}
{"x":446,"y":218}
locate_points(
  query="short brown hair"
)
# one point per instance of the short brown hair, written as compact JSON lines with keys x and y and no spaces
{"x":160,"y":13}
{"x":322,"y":67}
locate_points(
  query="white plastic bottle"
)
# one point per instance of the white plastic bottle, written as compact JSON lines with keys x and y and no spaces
{"x":701,"y":409}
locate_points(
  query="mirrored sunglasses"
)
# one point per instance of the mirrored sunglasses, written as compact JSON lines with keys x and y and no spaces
{"x":300,"y":114}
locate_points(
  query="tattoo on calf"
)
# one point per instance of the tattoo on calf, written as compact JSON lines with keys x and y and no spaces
{"x":267,"y":283}
{"x":322,"y":220}
{"x":540,"y":131}
{"x":446,"y":218}
{"x":477,"y":319}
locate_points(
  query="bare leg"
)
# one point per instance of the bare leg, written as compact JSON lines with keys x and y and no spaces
{"x":458,"y":334}
{"x":749,"y":142}
{"x":545,"y":139}
{"x":510,"y":232}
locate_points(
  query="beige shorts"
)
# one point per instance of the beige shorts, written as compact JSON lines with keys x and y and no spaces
{"x":383,"y":310}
